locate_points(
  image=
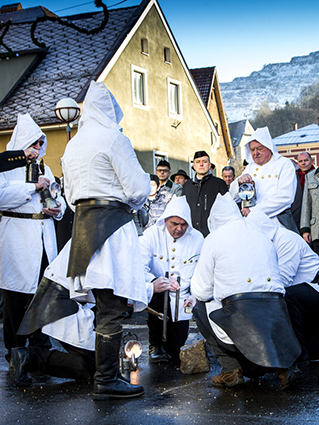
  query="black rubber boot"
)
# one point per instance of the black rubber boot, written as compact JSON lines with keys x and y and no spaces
{"x":107,"y":379}
{"x":20,"y":365}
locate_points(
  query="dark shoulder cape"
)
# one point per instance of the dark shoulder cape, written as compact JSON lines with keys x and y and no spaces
{"x":259,"y":325}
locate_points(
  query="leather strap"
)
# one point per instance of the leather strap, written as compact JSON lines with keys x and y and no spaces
{"x":251,"y":295}
{"x":39,"y":216}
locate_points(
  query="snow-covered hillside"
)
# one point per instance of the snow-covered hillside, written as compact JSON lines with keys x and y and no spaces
{"x":276,"y":83}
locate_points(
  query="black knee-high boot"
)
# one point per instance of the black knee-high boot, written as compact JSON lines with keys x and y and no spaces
{"x":107,"y":379}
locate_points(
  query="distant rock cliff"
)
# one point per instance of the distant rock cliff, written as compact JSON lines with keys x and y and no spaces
{"x":275,"y":84}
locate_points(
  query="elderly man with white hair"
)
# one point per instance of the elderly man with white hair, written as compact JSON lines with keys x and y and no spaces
{"x":238,"y":285}
{"x":170,"y":250}
{"x":274,"y":178}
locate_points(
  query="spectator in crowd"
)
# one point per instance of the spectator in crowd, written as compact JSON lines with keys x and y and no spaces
{"x":180,"y":177}
{"x":202,"y":190}
{"x":309,"y":221}
{"x":305,"y":165}
{"x":228,"y":174}
{"x":156,"y":202}
{"x":163,"y":172}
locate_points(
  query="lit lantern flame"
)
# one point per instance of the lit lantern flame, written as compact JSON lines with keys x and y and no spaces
{"x":133,"y":348}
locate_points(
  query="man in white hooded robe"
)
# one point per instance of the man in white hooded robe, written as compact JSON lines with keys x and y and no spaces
{"x":238,"y":285}
{"x":103,"y":183}
{"x":274,"y":178}
{"x":299,"y":267}
{"x":27,"y":234}
{"x":170,"y":249}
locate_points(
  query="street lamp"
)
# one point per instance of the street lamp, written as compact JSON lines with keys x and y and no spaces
{"x":67,"y":110}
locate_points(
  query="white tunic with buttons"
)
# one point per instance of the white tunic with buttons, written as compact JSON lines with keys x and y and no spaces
{"x":22,"y":240}
{"x":162,"y":253}
{"x":275,"y":181}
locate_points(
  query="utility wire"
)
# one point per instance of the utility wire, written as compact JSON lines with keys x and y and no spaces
{"x":73,"y":7}
{"x":84,"y":4}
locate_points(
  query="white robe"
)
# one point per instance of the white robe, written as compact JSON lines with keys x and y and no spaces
{"x":236,"y":258}
{"x":162,"y":253}
{"x":99,"y":162}
{"x":275,"y":181}
{"x":77,"y":329}
{"x":298,"y":263}
{"x":22,"y":240}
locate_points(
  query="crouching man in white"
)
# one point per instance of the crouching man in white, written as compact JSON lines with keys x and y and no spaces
{"x":238,"y":283}
{"x":70,"y":321}
{"x":170,"y":247}
{"x":299,"y":267}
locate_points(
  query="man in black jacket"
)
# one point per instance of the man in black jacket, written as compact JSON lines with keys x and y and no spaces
{"x":202,"y":190}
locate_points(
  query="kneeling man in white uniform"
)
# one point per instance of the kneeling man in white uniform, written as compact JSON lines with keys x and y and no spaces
{"x":241,"y":309}
{"x":170,"y":250}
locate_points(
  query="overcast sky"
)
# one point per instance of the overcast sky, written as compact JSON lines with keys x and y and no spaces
{"x":238,"y":37}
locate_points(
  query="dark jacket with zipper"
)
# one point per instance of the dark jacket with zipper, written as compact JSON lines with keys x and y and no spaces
{"x":201,"y":195}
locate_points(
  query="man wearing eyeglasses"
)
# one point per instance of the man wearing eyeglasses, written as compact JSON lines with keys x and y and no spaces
{"x":27,"y":234}
{"x":163,"y":172}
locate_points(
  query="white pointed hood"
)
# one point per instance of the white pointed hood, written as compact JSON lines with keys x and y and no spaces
{"x":178,"y":207}
{"x":224,"y":210}
{"x":262,"y":136}
{"x":101,"y":106}
{"x":25,"y":133}
{"x":258,"y":218}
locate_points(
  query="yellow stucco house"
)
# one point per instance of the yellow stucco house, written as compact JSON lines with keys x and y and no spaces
{"x":137,"y":57}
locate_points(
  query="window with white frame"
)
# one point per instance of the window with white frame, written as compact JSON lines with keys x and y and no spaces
{"x":157,"y":157}
{"x":174,"y":98}
{"x":139,"y":87}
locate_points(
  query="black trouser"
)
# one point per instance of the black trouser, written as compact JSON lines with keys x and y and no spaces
{"x":77,"y":363}
{"x":228,"y":355}
{"x":303,"y":307}
{"x":315,"y":246}
{"x":177,"y":332}
{"x":15,"y":305}
{"x":110,"y":310}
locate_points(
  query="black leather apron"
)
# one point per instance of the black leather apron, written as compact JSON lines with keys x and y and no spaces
{"x":258,"y":323}
{"x":94,"y":222}
{"x":51,"y":302}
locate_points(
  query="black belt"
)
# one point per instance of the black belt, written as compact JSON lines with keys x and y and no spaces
{"x":39,"y":216}
{"x":103,"y":202}
{"x":251,"y":295}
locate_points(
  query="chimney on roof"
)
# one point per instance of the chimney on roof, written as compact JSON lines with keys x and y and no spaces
{"x":318,"y":120}
{"x":7,"y":8}
{"x":295,"y":126}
